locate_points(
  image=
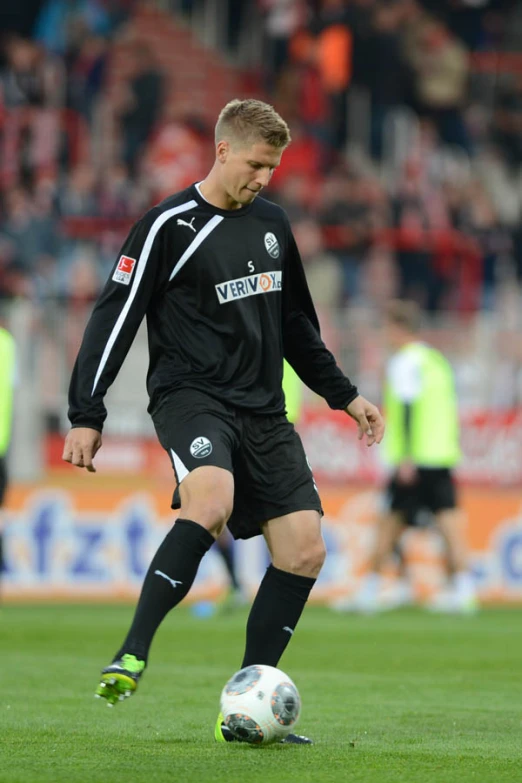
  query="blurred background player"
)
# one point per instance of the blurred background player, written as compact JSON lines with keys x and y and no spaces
{"x":7,"y":377}
{"x":422,"y":446}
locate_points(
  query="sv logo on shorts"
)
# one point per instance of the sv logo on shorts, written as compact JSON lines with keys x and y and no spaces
{"x":201,"y":447}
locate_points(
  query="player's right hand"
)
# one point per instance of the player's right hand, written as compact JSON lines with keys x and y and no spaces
{"x":407,"y":473}
{"x":370,"y":423}
{"x":80,"y":447}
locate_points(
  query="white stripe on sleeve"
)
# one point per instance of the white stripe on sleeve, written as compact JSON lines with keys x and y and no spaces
{"x":140,"y":269}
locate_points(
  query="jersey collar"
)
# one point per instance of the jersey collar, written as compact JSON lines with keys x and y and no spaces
{"x":227,"y":213}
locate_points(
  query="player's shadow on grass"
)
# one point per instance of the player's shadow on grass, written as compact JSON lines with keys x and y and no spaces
{"x":230,"y":747}
{"x":176,"y":741}
{"x":245,"y":747}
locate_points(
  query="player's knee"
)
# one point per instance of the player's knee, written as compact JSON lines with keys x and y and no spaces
{"x":308,"y":560}
{"x":216,"y":515}
{"x":212,"y":513}
{"x":207,"y":498}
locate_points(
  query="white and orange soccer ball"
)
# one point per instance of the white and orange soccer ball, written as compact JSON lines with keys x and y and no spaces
{"x":260,"y":704}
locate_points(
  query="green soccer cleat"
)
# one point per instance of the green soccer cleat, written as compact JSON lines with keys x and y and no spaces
{"x":120,"y":679}
{"x":223,"y":734}
{"x":219,"y":734}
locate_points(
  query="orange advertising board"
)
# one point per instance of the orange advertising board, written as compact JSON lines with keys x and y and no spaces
{"x":92,"y":537}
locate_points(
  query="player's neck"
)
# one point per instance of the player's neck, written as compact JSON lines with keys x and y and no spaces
{"x":213,"y":192}
{"x":410,"y":340}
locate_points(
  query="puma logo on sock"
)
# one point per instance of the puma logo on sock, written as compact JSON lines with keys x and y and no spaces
{"x":173,"y":582}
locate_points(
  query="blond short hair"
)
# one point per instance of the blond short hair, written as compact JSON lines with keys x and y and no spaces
{"x":250,"y":121}
{"x":404,"y":313}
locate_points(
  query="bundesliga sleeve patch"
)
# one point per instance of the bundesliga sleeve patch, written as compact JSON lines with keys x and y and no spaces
{"x":123,"y":272}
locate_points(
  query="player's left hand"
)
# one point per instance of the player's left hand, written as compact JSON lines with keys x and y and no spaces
{"x":370,"y":423}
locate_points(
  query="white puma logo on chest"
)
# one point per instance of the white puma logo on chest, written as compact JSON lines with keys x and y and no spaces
{"x":182,"y":222}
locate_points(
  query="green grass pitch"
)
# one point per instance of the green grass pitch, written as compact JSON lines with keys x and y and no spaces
{"x":397,"y":698}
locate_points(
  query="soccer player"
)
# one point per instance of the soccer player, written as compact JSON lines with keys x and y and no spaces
{"x":216,"y":271}
{"x":7,"y":381}
{"x":422,"y":446}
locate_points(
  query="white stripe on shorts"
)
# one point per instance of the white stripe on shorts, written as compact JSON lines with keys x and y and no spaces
{"x":179,"y":467}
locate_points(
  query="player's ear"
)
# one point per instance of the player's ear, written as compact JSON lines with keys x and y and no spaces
{"x":222,"y":151}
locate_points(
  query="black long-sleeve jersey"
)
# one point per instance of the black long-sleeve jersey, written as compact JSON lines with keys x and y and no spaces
{"x":225,"y":297}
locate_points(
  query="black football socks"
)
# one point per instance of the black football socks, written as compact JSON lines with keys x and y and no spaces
{"x":168,"y":580}
{"x":274,"y":615}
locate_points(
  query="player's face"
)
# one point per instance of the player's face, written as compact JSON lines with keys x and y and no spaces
{"x":394,"y":336}
{"x":245,"y":171}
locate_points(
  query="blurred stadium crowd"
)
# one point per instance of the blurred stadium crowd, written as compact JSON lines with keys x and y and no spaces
{"x":405,"y":172}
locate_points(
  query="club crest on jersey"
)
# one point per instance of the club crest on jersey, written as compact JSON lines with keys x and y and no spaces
{"x":123,"y":272}
{"x":201,"y":447}
{"x":272,"y":245}
{"x":260,"y":283}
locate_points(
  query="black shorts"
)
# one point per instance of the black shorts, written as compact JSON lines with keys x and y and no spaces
{"x":3,"y":479}
{"x":272,"y":476}
{"x":434,"y":490}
